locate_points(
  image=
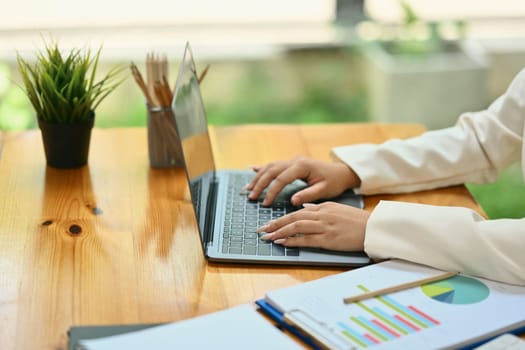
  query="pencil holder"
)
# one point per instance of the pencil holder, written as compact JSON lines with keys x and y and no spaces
{"x":164,"y":148}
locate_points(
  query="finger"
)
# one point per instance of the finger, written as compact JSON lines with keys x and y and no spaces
{"x":312,"y":240}
{"x":260,"y":181}
{"x":309,"y":205}
{"x":265,"y":177}
{"x":303,"y":227}
{"x":276,"y":186}
{"x":307,"y":213}
{"x":308,"y":194}
{"x":286,"y":177}
{"x":257,"y":170}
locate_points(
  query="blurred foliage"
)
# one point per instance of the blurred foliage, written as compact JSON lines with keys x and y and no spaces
{"x":503,"y":198}
{"x":415,"y":36}
{"x":303,"y":86}
{"x":315,"y":105}
{"x":15,"y":112}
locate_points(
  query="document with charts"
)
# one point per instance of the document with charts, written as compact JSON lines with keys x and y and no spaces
{"x":451,"y":313}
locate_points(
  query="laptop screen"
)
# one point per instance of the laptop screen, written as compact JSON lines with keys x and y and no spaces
{"x":191,"y":120}
{"x":192,"y":126}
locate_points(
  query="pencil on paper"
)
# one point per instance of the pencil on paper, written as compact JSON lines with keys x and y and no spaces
{"x":398,"y":287}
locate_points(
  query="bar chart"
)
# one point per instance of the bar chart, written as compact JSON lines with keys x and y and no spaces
{"x":382,"y":319}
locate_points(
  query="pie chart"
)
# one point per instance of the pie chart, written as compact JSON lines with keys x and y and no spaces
{"x":457,"y":290}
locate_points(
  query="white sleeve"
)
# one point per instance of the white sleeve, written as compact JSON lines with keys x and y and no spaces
{"x":449,"y":238}
{"x":474,"y":150}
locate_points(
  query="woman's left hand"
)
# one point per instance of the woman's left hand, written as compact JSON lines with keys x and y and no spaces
{"x":327,"y":225}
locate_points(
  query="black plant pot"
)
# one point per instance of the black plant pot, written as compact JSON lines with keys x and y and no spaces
{"x":66,"y":145}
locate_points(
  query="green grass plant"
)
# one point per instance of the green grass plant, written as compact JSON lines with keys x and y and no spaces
{"x":63,"y":88}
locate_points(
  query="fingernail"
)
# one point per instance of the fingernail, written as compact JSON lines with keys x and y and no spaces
{"x":279,"y":241}
{"x":266,"y":237}
{"x":262,"y":228}
{"x":308,"y":205}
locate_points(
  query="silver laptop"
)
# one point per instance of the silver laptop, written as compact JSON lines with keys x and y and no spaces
{"x":227,"y":220}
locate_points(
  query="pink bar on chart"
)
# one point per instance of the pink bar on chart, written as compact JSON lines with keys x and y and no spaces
{"x":372,"y":339}
{"x":409,"y":324}
{"x":424,"y":315}
{"x":386,"y":328}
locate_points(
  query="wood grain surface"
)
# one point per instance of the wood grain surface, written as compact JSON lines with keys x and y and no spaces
{"x":115,"y":242}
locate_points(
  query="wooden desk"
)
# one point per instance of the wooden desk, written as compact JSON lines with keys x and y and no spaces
{"x":115,"y":242}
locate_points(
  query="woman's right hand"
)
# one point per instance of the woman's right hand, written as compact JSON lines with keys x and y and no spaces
{"x":324,"y":179}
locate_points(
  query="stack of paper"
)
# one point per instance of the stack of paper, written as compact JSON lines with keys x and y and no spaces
{"x":239,"y":328}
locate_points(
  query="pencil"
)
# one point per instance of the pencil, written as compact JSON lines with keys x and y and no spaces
{"x":397,"y":288}
{"x":142,"y":85}
{"x":203,"y":74}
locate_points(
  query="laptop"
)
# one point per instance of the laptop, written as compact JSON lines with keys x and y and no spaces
{"x":227,"y":220}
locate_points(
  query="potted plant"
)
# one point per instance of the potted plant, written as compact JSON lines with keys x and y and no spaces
{"x":64,"y":93}
{"x":419,"y":71}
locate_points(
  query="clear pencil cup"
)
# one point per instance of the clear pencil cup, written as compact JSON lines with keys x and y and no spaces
{"x":164,"y":146}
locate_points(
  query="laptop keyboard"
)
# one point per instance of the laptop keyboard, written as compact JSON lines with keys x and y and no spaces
{"x":242,"y":219}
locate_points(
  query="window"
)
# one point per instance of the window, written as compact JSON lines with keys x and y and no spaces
{"x":129,"y":28}
{"x":28,"y":14}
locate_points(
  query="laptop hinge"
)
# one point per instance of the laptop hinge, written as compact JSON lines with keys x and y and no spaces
{"x":211,"y":204}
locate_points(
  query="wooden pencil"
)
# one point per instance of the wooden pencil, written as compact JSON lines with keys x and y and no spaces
{"x":398,"y":287}
{"x":203,"y":74}
{"x":140,"y":82}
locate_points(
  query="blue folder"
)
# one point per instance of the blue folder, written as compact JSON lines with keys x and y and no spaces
{"x":278,"y":317}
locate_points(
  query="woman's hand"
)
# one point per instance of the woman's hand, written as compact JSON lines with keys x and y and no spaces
{"x":324,"y":179}
{"x":327,"y":225}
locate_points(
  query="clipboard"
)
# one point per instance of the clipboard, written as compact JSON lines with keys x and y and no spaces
{"x":305,"y":327}
{"x":459,"y":312}
{"x":278,"y":317}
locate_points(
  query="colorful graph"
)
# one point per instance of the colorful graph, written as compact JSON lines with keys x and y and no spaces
{"x":383,"y":319}
{"x":457,"y":290}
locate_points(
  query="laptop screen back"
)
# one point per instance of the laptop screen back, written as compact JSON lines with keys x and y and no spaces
{"x":191,"y":120}
{"x":192,"y":126}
